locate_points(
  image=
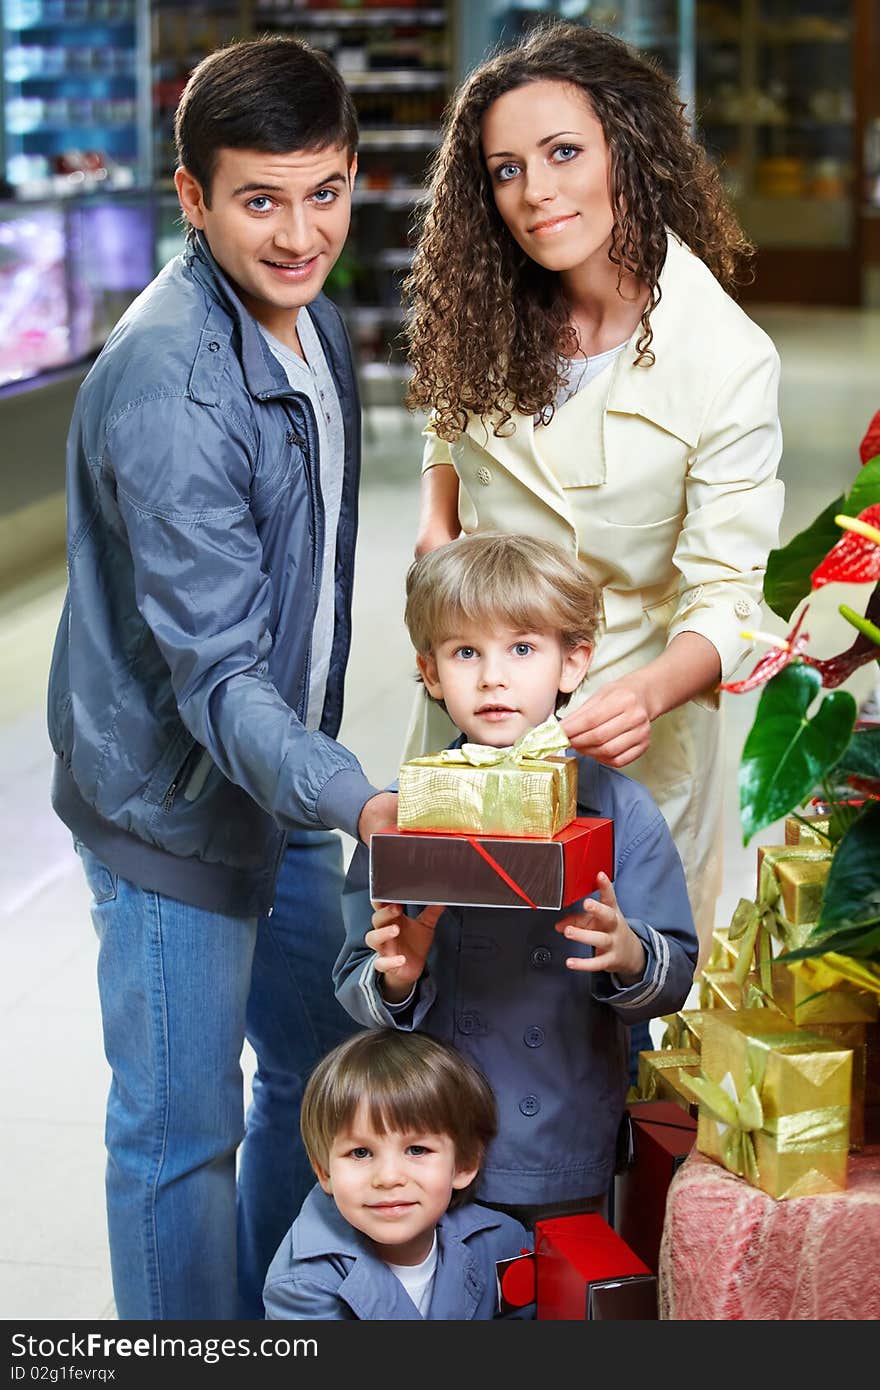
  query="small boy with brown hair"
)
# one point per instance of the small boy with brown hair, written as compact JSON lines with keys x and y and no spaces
{"x":540,"y":1000}
{"x":395,"y":1125}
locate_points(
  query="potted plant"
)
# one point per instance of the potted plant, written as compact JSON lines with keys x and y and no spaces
{"x":806,"y":736}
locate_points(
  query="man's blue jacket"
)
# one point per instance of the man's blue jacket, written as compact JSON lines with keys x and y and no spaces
{"x":181,"y":666}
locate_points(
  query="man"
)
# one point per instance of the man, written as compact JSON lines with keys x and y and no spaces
{"x":196,"y":685}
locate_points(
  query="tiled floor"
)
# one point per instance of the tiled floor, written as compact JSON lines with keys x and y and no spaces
{"x":53,"y":1253}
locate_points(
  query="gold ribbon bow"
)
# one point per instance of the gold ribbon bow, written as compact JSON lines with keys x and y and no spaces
{"x":741,"y":1119}
{"x":534,"y":746}
{"x":759,"y":921}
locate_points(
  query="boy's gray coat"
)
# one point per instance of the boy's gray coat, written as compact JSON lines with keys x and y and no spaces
{"x":325,"y":1269}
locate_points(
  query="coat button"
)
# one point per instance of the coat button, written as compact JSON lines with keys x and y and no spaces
{"x":533,"y":1037}
{"x":742,"y":608}
{"x":214,"y":346}
{"x":484,"y":476}
{"x":467,"y":1023}
{"x":530,"y":1105}
{"x":540,"y":957}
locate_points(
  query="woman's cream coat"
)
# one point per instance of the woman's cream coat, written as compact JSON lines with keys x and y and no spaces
{"x":671,"y":498}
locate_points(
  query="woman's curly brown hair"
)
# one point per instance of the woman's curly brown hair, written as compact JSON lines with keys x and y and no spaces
{"x":486,"y":325}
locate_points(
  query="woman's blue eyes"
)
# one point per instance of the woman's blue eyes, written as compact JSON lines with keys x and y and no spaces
{"x":562,"y":154}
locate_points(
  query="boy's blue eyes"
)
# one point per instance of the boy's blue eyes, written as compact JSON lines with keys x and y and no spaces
{"x":362,"y":1152}
{"x":518,"y":649}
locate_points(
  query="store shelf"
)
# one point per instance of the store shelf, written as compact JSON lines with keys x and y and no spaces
{"x":350,"y":19}
{"x":384,"y":79}
{"x":390,"y":139}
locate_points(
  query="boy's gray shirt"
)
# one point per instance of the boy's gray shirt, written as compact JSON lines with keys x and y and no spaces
{"x":552,"y":1042}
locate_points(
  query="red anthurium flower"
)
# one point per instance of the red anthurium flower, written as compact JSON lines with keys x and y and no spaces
{"x":855,"y":559}
{"x":870,"y":445}
{"x":835,"y":669}
{"x":783,"y":651}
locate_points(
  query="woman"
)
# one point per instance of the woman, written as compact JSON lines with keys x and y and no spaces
{"x":591,"y":381}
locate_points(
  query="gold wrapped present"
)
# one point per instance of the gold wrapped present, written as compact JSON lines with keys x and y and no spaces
{"x":807,"y":830}
{"x":774,"y":1103}
{"x":720,"y":989}
{"x":809,"y":991}
{"x":663,"y":1075}
{"x":685,"y":1028}
{"x":791,"y":881}
{"x":724,"y":951}
{"x":525,"y":790}
{"x":800,"y":872}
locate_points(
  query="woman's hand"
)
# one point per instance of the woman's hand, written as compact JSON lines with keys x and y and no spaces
{"x":613,"y":726}
{"x":401,"y":944}
{"x":603,"y":926}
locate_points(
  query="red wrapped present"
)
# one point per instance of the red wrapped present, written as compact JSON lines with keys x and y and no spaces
{"x":414,"y":866}
{"x":586,"y":1272}
{"x":663,"y":1136}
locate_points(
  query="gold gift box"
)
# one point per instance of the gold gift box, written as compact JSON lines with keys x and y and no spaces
{"x":720,"y":989}
{"x":802,"y":830}
{"x":685,"y":1029}
{"x":663,"y":1076}
{"x":790,"y":1090}
{"x":724,"y":951}
{"x":533,"y":799}
{"x":801,"y":872}
{"x":798,"y":992}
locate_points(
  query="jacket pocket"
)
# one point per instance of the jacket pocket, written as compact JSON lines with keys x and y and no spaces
{"x":170,"y":770}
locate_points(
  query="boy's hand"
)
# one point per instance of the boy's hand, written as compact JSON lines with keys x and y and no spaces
{"x":401,"y":944}
{"x":603,"y":926}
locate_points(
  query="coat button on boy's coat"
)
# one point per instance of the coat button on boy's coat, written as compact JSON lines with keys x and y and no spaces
{"x":533,"y":1037}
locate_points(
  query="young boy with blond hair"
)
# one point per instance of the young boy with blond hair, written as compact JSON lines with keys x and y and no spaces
{"x":541,"y":1001}
{"x":395,"y":1125}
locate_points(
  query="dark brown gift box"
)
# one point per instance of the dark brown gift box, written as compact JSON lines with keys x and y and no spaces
{"x":586,"y":1272}
{"x":663,"y":1136}
{"x":414,"y":866}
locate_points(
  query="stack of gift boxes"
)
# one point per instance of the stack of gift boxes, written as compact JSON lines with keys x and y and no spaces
{"x":780,"y":1065}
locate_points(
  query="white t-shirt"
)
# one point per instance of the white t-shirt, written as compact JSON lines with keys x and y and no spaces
{"x":312,"y":377}
{"x":418,"y":1280}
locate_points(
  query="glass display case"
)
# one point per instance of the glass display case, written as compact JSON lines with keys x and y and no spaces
{"x":396,"y":60}
{"x":661,"y":29}
{"x":777,"y":107}
{"x":68,"y":270}
{"x":75,"y":94}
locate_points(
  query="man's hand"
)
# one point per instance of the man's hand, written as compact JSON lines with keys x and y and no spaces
{"x":603,"y":926}
{"x":613,"y":726}
{"x":401,"y":944}
{"x":379,"y":813}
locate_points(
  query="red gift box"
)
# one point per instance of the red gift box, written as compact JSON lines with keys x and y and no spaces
{"x":663,"y":1136}
{"x":421,"y":866}
{"x":585,"y":1271}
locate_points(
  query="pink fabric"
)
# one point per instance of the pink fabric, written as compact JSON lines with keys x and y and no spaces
{"x":730,"y":1252}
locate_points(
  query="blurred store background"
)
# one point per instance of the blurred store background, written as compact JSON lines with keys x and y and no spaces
{"x":785,"y":94}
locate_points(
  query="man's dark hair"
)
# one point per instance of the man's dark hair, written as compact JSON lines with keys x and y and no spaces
{"x":275,"y":94}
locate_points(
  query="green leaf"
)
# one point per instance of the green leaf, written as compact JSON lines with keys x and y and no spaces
{"x":788,"y":570}
{"x":786,"y":754}
{"x":852,"y":892}
{"x":865,"y":490}
{"x":861,"y":757}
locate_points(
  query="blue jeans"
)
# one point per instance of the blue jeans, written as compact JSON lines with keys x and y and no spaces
{"x":177,"y":1002}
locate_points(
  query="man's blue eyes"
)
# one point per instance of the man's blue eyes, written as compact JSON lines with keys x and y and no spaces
{"x":323,"y":197}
